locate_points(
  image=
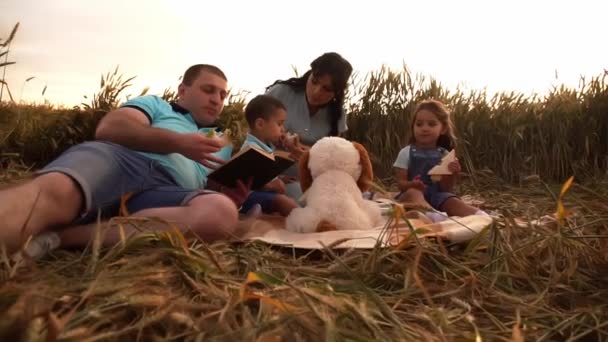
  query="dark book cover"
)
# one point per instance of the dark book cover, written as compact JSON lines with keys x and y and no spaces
{"x":252,"y":162}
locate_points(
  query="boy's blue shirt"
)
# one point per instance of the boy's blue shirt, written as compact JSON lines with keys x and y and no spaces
{"x":252,"y":140}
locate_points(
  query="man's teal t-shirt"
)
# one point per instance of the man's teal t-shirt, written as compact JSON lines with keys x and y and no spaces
{"x":186,"y":172}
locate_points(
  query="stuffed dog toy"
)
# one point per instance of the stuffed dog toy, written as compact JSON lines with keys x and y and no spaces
{"x":333,"y":175}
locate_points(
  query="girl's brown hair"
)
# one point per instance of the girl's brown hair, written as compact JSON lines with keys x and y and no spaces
{"x":446,"y":140}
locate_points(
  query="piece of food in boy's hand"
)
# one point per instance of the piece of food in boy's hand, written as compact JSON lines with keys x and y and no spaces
{"x":291,"y":137}
{"x":290,"y":140}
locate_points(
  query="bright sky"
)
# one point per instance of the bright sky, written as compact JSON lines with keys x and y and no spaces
{"x":494,"y":44}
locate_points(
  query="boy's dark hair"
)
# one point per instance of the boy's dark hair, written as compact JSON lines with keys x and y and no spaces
{"x":192,"y":73}
{"x":262,"y":106}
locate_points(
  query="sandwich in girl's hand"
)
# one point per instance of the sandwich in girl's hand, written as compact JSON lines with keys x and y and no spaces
{"x":442,"y":169}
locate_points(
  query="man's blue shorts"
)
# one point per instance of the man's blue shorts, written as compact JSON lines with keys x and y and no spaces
{"x":106,"y":171}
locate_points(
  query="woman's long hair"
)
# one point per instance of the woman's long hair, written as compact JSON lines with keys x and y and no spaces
{"x":339,"y":69}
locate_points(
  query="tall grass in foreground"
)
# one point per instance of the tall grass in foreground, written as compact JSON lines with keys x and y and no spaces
{"x":560,"y":134}
{"x":5,"y":47}
{"x":541,"y":282}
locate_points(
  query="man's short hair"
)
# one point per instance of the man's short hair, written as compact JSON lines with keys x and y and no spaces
{"x":192,"y":73}
{"x":262,"y":106}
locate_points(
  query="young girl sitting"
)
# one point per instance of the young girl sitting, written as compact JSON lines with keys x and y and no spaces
{"x":432,"y":137}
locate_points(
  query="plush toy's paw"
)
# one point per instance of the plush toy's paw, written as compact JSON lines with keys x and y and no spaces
{"x":302,"y":220}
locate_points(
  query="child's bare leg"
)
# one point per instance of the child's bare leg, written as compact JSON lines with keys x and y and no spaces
{"x":454,"y":206}
{"x":413,"y":198}
{"x":284,"y":204}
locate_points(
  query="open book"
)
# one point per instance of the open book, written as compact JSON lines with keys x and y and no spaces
{"x":252,"y":162}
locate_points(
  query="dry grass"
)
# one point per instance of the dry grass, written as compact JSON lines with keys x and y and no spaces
{"x":519,"y":279}
{"x":542,"y":282}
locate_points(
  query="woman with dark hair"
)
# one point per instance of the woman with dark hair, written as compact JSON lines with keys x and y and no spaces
{"x":314,"y":103}
{"x":315,"y":100}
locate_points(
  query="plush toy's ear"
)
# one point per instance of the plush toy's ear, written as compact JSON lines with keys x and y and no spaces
{"x":305,"y":176}
{"x":367,"y":174}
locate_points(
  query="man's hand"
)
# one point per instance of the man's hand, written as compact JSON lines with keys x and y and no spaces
{"x":238,"y":194}
{"x":200,"y":148}
{"x":276,"y":185}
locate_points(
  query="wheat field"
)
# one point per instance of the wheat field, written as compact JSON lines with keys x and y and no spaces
{"x":538,"y":273}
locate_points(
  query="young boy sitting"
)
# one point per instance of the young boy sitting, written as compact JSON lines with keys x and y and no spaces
{"x":265,"y":116}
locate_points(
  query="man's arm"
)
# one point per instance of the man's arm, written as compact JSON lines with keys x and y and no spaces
{"x":131,"y":128}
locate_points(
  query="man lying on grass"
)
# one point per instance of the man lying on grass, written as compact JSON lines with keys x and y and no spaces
{"x":149,"y":149}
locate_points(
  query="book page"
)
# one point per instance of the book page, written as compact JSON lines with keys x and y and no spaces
{"x":283,"y":154}
{"x":251,"y":147}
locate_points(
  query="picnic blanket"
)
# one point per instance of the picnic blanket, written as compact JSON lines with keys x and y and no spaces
{"x":271,"y":229}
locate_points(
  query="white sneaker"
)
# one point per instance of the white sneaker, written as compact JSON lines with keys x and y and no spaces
{"x":368,"y":195}
{"x":481,"y":213}
{"x":39,"y":246}
{"x":254,"y":211}
{"x":436,"y":217}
